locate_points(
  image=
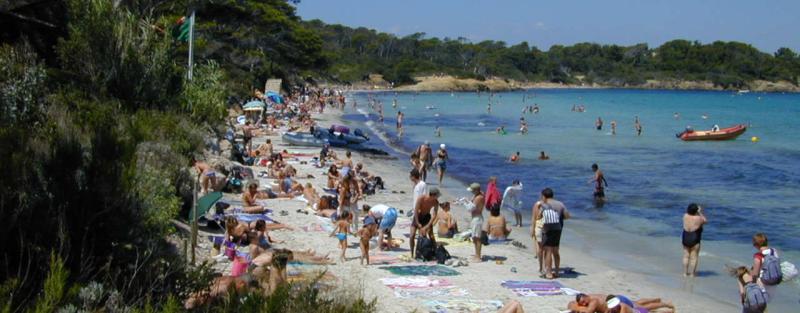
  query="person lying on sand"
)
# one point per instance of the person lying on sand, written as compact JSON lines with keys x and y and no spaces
{"x":512,"y":306}
{"x":237,"y":232}
{"x":311,"y":195}
{"x":622,"y":304}
{"x":591,"y":303}
{"x":264,"y":280}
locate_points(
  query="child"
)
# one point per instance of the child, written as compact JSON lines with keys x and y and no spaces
{"x":340,"y":230}
{"x":447,"y":224}
{"x":365,"y":234}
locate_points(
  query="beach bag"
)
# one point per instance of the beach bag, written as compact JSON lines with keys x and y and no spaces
{"x":441,"y":254}
{"x":771,"y":273}
{"x":426,"y":250}
{"x":484,"y":238}
{"x":788,"y":270}
{"x":755,"y":298}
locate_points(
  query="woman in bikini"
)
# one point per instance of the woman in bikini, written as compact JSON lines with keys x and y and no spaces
{"x":498,"y":229}
{"x":441,"y":162}
{"x":447,"y":227}
{"x":693,"y":222}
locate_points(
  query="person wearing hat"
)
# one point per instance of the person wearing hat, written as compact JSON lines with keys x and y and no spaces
{"x":441,"y":162}
{"x":424,"y":219}
{"x":511,"y":201}
{"x":476,"y":223}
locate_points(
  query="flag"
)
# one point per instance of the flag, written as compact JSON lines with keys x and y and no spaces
{"x":181,"y":29}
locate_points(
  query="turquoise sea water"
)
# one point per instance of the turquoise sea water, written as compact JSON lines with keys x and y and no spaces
{"x":745,"y":186}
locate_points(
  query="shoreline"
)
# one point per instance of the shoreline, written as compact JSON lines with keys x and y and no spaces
{"x":597,"y":276}
{"x":453,"y":84}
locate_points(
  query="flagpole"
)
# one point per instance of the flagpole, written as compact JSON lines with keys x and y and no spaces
{"x":194,"y":189}
{"x":191,"y":46}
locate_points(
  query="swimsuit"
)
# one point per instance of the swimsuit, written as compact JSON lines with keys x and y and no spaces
{"x":691,"y":238}
{"x":341,"y":236}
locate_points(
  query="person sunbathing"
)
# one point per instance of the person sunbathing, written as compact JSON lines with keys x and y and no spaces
{"x":288,"y":187}
{"x":498,"y":230}
{"x":311,"y":195}
{"x":592,"y":303}
{"x":333,"y":176}
{"x":448,"y":226}
{"x":251,"y":195}
{"x":622,"y":304}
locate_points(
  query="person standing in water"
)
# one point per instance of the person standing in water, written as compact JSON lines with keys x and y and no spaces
{"x":600,"y":183}
{"x":425,"y":159}
{"x":441,"y":162}
{"x":399,"y":123}
{"x":693,"y":222}
{"x":438,"y":131}
{"x":599,"y":123}
{"x":637,"y":125}
{"x":613,"y":127}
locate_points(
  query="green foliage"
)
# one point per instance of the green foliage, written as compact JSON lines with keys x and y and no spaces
{"x":22,"y":89}
{"x":55,"y":286}
{"x":110,"y":52}
{"x":354,"y":53}
{"x":204,"y":96}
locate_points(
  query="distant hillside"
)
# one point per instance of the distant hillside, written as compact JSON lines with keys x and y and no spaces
{"x":353,"y":53}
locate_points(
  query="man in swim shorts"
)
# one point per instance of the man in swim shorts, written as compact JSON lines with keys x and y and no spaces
{"x":424,"y":219}
{"x":385,"y":217}
{"x":600,"y":183}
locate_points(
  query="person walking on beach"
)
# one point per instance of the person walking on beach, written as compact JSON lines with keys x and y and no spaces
{"x":424,"y":220}
{"x":511,"y":201}
{"x":476,"y":223}
{"x":441,"y":162}
{"x":766,"y":264}
{"x":553,"y":213}
{"x":693,"y":222}
{"x":600,"y":183}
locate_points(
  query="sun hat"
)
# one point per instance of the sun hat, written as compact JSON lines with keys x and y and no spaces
{"x":474,"y":186}
{"x":613,"y":302}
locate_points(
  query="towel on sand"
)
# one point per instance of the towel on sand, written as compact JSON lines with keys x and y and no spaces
{"x":464,"y":305}
{"x":414,"y":282}
{"x":421,"y":270}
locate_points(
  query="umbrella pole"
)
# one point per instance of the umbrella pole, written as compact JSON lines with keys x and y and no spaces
{"x":194,"y":218}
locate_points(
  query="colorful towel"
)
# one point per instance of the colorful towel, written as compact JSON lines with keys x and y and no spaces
{"x":384,"y":258}
{"x":421,"y":270}
{"x":427,"y":293}
{"x":537,"y":288}
{"x":464,"y":305}
{"x":414,"y":282}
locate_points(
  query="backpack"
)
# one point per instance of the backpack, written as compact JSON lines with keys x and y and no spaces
{"x":755,"y":298}
{"x":441,"y":254}
{"x":771,"y":273}
{"x":425,"y":249}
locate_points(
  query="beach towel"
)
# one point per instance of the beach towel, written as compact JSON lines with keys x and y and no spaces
{"x":464,"y":305}
{"x":453,"y":242}
{"x":499,"y":241}
{"x":421,"y":270}
{"x":537,"y":288}
{"x":414,"y":282}
{"x":427,"y":293}
{"x":247,"y":217}
{"x":384,"y":258}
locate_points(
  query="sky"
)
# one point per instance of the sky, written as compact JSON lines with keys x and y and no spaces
{"x":767,"y":25}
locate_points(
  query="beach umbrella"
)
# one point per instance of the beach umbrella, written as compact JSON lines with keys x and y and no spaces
{"x":205,"y":203}
{"x":274,"y":97}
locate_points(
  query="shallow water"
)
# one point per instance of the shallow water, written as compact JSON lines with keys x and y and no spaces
{"x":745,"y":186}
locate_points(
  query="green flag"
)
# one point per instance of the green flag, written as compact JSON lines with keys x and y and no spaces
{"x":181,"y":29}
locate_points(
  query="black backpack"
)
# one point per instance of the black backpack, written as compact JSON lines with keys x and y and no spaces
{"x":441,"y":254}
{"x":425,"y":249}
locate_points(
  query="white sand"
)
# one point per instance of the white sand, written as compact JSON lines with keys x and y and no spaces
{"x":482,"y":280}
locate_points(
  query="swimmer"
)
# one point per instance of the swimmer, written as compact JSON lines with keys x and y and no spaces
{"x":515,"y":157}
{"x":613,"y":127}
{"x":543,"y":156}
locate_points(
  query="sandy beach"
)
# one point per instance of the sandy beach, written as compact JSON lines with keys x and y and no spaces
{"x":473,"y":283}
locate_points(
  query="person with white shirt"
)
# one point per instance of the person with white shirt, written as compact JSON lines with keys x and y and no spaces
{"x":511,"y":200}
